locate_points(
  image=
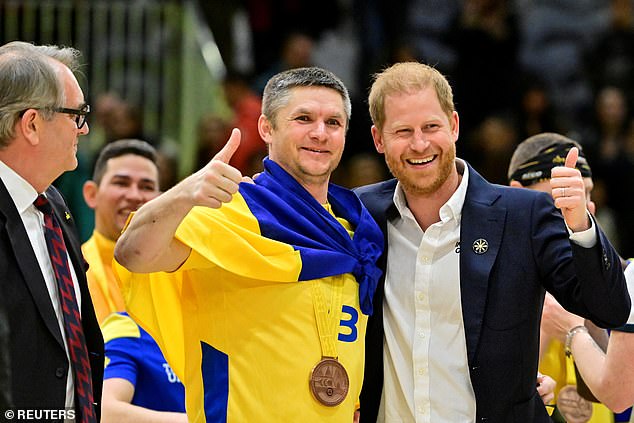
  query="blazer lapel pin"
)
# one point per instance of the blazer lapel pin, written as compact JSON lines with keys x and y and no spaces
{"x":480,"y":246}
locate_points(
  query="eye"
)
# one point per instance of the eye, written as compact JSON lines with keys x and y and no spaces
{"x":303,"y":118}
{"x":404,"y":132}
{"x":334,"y":122}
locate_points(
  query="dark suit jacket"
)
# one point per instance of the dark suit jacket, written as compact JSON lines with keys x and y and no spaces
{"x":502,"y":293}
{"x":38,"y":362}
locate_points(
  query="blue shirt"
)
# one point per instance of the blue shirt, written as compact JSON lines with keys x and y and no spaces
{"x":133,"y":355}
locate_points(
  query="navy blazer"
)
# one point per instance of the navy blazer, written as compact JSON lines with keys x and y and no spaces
{"x":502,"y":293}
{"x":38,"y":362}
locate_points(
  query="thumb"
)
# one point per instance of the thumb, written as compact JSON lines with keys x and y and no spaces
{"x":230,"y":147}
{"x":571,"y":158}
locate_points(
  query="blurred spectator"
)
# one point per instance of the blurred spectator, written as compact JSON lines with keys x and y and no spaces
{"x":428,"y":32}
{"x":611,"y":62}
{"x":555,"y":36}
{"x":607,"y":141}
{"x":485,"y":39}
{"x":296,"y":52}
{"x":362,"y":169}
{"x":381,"y":31}
{"x":606,"y":134}
{"x":120,"y":119}
{"x":272,"y":21}
{"x":490,"y":146}
{"x":213,"y":132}
{"x":535,"y":109}
{"x":247,"y":107}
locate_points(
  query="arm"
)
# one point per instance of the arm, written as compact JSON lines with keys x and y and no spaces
{"x":610,"y":376}
{"x":148,"y":243}
{"x":116,"y":406}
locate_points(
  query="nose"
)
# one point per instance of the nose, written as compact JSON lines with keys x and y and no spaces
{"x":84,"y":129}
{"x":133,"y":193}
{"x":318,"y":131}
{"x":418,"y":141}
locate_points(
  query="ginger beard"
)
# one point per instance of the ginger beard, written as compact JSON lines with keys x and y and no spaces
{"x":423,"y":181}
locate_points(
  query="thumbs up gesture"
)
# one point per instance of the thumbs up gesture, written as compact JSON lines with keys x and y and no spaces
{"x":569,"y":192}
{"x":217,"y":181}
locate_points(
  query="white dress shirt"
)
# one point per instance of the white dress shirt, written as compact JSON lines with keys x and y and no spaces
{"x":425,"y":352}
{"x":23,"y":195}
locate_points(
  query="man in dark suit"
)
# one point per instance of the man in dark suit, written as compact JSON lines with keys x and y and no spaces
{"x":42,"y":116}
{"x":455,"y":332}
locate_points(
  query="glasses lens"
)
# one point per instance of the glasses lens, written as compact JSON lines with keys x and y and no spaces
{"x":81,"y":118}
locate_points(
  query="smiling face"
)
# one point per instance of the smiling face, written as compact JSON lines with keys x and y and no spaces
{"x":129,"y":182}
{"x":308,"y":135}
{"x":418,"y":140}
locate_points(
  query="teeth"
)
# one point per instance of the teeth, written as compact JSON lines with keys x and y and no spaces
{"x":420,"y":161}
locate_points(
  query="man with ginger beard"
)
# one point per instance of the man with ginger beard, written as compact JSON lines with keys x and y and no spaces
{"x":454,"y":336}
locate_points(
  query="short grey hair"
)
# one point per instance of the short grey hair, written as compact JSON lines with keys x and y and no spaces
{"x":278,"y":90}
{"x":29,"y":80}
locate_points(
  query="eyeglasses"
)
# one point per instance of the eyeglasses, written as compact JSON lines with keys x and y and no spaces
{"x":80,"y":114}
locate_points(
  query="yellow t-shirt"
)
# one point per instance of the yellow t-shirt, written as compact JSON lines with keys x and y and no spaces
{"x":106,"y":295}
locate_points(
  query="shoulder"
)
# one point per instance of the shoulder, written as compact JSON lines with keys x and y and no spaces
{"x":119,"y":325}
{"x":379,"y":187}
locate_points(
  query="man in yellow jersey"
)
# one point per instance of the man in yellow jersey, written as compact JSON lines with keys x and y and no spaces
{"x":124,"y":178}
{"x":530,"y":167}
{"x":138,"y":383}
{"x":258,"y":294}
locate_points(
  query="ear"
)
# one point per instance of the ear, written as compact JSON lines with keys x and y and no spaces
{"x":516,"y":184}
{"x":90,"y":193}
{"x":378,"y":139}
{"x":265,"y":128}
{"x":28,"y":126}
{"x":455,"y":125}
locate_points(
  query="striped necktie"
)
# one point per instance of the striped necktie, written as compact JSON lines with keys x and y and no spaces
{"x":72,"y":319}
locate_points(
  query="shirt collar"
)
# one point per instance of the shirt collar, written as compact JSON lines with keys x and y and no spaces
{"x":22,"y":193}
{"x":451,"y":209}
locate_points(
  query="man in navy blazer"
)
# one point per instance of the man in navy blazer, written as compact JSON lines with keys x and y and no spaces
{"x":455,"y":332}
{"x":42,"y":116}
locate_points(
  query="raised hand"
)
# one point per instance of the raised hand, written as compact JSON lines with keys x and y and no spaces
{"x":217,"y":181}
{"x":569,"y":192}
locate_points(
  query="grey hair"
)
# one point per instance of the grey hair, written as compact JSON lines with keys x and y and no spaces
{"x":29,"y":80}
{"x":278,"y":89}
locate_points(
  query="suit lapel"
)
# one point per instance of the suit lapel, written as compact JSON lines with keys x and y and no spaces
{"x":481,"y":231}
{"x":27,"y":262}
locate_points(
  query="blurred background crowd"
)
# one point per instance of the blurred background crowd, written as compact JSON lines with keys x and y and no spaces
{"x":181,"y":74}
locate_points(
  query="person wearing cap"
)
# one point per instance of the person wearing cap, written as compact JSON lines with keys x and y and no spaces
{"x":530,"y":167}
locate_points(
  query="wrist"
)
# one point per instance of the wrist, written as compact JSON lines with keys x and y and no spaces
{"x":569,"y":337}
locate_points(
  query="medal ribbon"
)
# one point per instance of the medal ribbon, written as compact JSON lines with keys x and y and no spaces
{"x":328,"y":318}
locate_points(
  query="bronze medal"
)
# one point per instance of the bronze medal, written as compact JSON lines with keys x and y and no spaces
{"x":572,"y":406}
{"x":329,"y":382}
